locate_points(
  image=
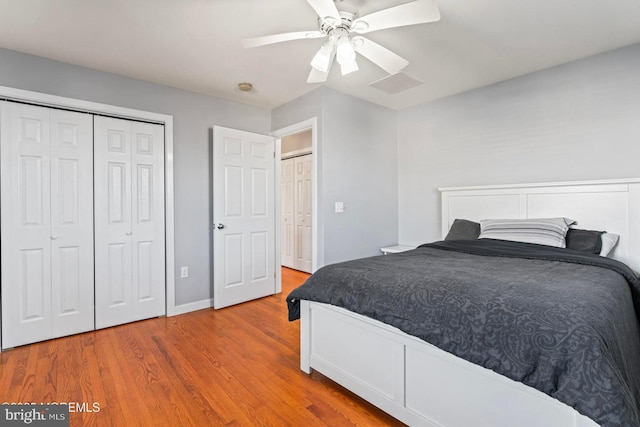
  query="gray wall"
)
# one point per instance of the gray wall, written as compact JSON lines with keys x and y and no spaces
{"x":194,"y":115}
{"x":577,"y":121}
{"x":360,"y":169}
{"x":358,"y":166}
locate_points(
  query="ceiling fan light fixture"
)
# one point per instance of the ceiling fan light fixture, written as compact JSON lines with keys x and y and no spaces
{"x":349,"y":67}
{"x":344,"y":51}
{"x":322,"y":59}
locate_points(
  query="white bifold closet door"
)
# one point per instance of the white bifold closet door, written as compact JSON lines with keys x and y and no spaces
{"x":129,"y":221}
{"x":287,"y":218}
{"x":303,"y":213}
{"x":47,"y":223}
{"x":296,"y":217}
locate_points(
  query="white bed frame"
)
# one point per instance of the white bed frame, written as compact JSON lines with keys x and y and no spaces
{"x":422,"y":385}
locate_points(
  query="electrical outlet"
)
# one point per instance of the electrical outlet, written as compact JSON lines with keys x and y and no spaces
{"x":184,"y":272}
{"x":339,"y":207}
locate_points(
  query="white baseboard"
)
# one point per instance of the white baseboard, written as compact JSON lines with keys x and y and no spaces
{"x":192,"y":306}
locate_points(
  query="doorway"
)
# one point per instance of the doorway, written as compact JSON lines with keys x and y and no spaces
{"x":306,"y":130}
{"x":296,"y":215}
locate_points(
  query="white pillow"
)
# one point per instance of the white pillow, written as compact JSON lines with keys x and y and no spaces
{"x":542,"y":231}
{"x":609,"y":241}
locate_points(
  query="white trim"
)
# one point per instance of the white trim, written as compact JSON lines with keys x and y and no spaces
{"x":169,"y":226}
{"x":317,"y":256}
{"x":47,"y":100}
{"x":193,"y":306}
{"x":296,"y":153}
{"x":543,"y":184}
{"x":278,"y":176}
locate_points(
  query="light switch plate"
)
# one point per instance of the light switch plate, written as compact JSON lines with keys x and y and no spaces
{"x":339,"y":207}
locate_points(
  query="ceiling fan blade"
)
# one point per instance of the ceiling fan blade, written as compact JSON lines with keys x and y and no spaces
{"x":416,"y":12}
{"x":381,"y":56}
{"x":278,"y":38}
{"x":325,"y":8}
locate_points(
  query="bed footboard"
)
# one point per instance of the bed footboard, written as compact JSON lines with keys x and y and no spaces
{"x":416,"y":382}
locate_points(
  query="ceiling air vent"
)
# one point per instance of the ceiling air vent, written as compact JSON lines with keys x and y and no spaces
{"x":396,"y":83}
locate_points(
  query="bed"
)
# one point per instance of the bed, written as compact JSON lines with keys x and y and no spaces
{"x":449,"y":382}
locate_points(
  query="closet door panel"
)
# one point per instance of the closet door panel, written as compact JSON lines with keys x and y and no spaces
{"x":25,"y":212}
{"x":72,"y":282}
{"x":129,"y":218}
{"x":287,"y":218}
{"x":303,"y":213}
{"x":113,"y":228}
{"x":147,"y":199}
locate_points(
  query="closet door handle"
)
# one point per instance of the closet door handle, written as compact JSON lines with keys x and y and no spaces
{"x":128,"y":233}
{"x":54,"y":237}
{"x":218,"y":226}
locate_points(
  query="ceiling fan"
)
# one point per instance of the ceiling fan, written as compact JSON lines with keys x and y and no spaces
{"x":341,"y":30}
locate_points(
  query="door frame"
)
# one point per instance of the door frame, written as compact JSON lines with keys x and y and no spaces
{"x":54,"y":101}
{"x":317,"y":244}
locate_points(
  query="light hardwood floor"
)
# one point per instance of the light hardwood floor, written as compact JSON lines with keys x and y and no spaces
{"x":234,"y":367}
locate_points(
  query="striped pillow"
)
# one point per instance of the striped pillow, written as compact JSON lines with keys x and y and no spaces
{"x":544,"y":231}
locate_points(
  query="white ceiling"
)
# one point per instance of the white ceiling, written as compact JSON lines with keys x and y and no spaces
{"x":196,"y":44}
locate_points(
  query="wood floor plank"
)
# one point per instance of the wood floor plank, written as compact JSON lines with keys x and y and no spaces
{"x":238,"y":366}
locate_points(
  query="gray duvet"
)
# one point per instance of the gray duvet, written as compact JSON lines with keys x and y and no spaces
{"x":558,"y":320}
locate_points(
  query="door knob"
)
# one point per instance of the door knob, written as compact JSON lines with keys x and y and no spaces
{"x":218,"y":226}
{"x":128,"y":233}
{"x":54,"y":237}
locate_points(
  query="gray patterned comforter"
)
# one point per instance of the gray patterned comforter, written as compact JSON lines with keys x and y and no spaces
{"x":558,"y":320}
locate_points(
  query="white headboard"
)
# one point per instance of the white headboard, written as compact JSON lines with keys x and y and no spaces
{"x":612,"y":206}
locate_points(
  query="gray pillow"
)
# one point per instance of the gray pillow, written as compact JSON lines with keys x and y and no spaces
{"x":584,"y":240}
{"x":463,"y":229}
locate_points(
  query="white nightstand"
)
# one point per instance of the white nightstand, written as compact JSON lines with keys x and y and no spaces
{"x":396,"y":249}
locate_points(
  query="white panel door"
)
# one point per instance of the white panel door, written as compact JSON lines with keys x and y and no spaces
{"x":26,"y":230}
{"x":72,"y":284}
{"x":303,"y":213}
{"x":47,"y":236}
{"x":112,"y":172}
{"x":147,"y":201}
{"x":244,"y":216}
{"x":129,"y":221}
{"x":287,"y":218}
